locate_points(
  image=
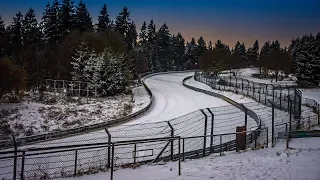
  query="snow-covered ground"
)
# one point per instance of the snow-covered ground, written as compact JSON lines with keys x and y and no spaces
{"x":311,"y":94}
{"x":276,"y":163}
{"x":246,"y":73}
{"x":31,"y":118}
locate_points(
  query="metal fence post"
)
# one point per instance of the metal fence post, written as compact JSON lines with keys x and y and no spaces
{"x":318,"y":114}
{"x":205,"y":132}
{"x":112,"y":157}
{"x":248,"y":87}
{"x":272,"y":93}
{"x":272,"y":125}
{"x":290,"y":115}
{"x":109,"y":148}
{"x":265,"y":95}
{"x":236,"y":82}
{"x":280,"y":97}
{"x":211,"y":133}
{"x":172,"y":134}
{"x":15,"y":157}
{"x":220,"y":145}
{"x":183,"y":149}
{"x":242,"y":85}
{"x":22,"y":165}
{"x":75,"y":163}
{"x":288,"y":99}
{"x":135,"y":153}
{"x":179,"y":162}
{"x":267,"y":137}
{"x":259,"y":92}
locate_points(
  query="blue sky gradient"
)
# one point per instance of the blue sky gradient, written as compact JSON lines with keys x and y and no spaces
{"x":228,"y":20}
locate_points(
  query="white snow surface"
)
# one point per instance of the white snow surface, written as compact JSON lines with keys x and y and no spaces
{"x":311,"y":94}
{"x":30,"y":118}
{"x":246,"y":73}
{"x":264,"y":164}
{"x":172,"y":99}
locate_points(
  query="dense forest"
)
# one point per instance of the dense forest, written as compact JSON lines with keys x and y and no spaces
{"x":111,"y":53}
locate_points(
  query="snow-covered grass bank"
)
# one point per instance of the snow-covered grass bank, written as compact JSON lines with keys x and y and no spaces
{"x":30,"y":118}
{"x":311,"y":94}
{"x":246,"y":73}
{"x":264,"y":164}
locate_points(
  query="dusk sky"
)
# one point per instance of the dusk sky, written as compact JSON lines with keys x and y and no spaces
{"x":228,"y":20}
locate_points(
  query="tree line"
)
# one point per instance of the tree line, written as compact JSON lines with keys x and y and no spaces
{"x":66,"y":44}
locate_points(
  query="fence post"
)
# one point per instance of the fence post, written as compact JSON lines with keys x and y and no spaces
{"x":290,"y":115}
{"x":267,"y":137}
{"x":288,"y":99}
{"x":272,"y":125}
{"x":183,"y":149}
{"x":318,"y":114}
{"x":255,"y":139}
{"x":248,"y":87}
{"x":211,"y":133}
{"x":172,"y":134}
{"x":253,"y":90}
{"x":220,"y":145}
{"x":205,"y":132}
{"x":265,"y":95}
{"x":272,"y":93}
{"x":15,"y":158}
{"x":179,"y":149}
{"x":75,"y":163}
{"x":109,"y":148}
{"x":236,"y":82}
{"x":135,"y":153}
{"x":242,"y":85}
{"x":259,"y":92}
{"x":280,"y":97}
{"x":112,"y":157}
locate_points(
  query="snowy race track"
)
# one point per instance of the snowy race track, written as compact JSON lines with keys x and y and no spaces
{"x":170,"y":100}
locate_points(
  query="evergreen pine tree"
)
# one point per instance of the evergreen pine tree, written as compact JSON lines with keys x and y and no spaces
{"x":131,"y":36}
{"x":68,"y":16}
{"x":201,"y":46}
{"x":2,"y":38}
{"x":122,"y":22}
{"x":143,"y":35}
{"x":163,"y":44}
{"x":83,"y":19}
{"x":210,"y":46}
{"x":16,"y":38}
{"x":151,"y":47}
{"x":103,"y":19}
{"x":51,"y":24}
{"x":31,"y":32}
{"x":178,"y":52}
{"x":263,"y":60}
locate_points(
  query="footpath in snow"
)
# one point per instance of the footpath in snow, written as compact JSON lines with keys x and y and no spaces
{"x":275,"y":163}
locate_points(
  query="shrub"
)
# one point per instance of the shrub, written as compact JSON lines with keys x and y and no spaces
{"x":12,"y":77}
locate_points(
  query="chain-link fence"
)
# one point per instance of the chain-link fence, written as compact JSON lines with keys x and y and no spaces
{"x":80,"y":159}
{"x":286,"y":98}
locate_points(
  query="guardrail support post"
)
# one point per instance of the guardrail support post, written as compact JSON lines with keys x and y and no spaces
{"x":205,"y":132}
{"x":179,"y":149}
{"x":211,"y":133}
{"x":172,"y":135}
{"x":220,"y":145}
{"x":109,"y":148}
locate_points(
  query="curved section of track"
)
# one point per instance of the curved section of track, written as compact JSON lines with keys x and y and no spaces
{"x":170,"y":100}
